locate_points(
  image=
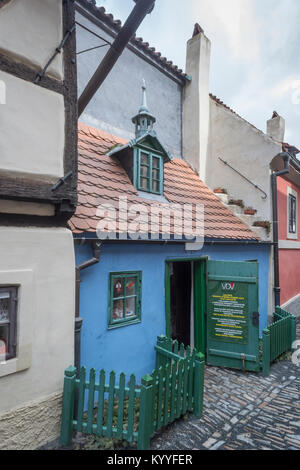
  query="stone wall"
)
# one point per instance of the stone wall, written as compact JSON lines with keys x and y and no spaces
{"x":31,"y":426}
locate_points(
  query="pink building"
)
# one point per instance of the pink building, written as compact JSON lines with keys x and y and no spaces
{"x":288,"y":209}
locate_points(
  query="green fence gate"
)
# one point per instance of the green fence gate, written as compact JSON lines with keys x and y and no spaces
{"x":133,"y":412}
{"x":278,"y":337}
{"x":178,"y":382}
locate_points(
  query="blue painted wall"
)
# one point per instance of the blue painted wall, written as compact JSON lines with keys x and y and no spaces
{"x":130,"y":349}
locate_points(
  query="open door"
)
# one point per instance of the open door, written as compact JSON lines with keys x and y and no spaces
{"x":232,"y":315}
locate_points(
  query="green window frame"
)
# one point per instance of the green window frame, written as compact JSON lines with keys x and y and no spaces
{"x":149,"y":171}
{"x":124,"y":298}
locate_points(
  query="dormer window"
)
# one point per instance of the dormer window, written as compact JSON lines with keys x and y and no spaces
{"x":144,"y":157}
{"x":149,"y":172}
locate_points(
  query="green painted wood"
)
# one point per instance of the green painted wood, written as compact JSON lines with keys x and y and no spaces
{"x":280,"y":334}
{"x":173,"y":395}
{"x":240,"y":278}
{"x":154,"y":399}
{"x":68,"y":406}
{"x":167,"y":394}
{"x":159,"y":398}
{"x":190,"y":382}
{"x":101,"y":389}
{"x":293,"y":329}
{"x":199,"y":384}
{"x":164,"y":354}
{"x":179,"y":389}
{"x":131,"y":396}
{"x":243,"y":298}
{"x":146,"y":418}
{"x":169,"y":347}
{"x":121,"y":396}
{"x":91,"y":401}
{"x":266,"y":351}
{"x":112,"y":324}
{"x":150,"y":179}
{"x":161,"y":351}
{"x":185,"y":386}
{"x":200,"y":306}
{"x":110,"y":406}
{"x":81,"y":394}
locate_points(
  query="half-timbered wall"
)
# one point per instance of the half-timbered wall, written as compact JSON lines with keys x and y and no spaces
{"x":38,"y":112}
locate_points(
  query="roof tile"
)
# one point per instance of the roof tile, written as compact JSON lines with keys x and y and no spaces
{"x":102,"y":179}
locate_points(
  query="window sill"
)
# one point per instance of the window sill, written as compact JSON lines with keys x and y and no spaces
{"x":17,"y":364}
{"x":125,"y":323}
{"x":292,"y":236}
{"x":24,"y":279}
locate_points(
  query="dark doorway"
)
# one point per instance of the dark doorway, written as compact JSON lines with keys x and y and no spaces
{"x":180,"y":296}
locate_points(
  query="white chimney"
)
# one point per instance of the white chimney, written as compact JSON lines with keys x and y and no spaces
{"x":195,"y":113}
{"x":276,"y":127}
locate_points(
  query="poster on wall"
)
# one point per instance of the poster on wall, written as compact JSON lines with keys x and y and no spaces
{"x":228,"y":312}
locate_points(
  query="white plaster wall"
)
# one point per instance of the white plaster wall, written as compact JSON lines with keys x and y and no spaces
{"x":246,"y":149}
{"x":48,"y":254}
{"x":31,"y":130}
{"x":195,"y":112}
{"x":30,"y":30}
{"x":118,"y":100}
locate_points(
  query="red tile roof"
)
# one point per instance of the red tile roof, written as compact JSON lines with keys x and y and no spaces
{"x":102,"y":179}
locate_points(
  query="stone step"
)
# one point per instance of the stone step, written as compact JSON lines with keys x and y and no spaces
{"x":237,"y":210}
{"x":261,"y":232}
{"x":223,"y":197}
{"x":249,"y":219}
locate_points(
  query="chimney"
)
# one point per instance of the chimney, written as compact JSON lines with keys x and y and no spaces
{"x":276,"y":127}
{"x":195,"y":113}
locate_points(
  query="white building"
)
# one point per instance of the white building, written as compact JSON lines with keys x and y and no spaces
{"x":38,"y":130}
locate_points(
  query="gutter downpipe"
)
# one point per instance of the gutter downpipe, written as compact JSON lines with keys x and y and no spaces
{"x":141,"y":9}
{"x":286,"y":157}
{"x":96,"y":245}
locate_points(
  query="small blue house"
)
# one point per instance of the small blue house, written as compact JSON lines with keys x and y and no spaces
{"x":157,"y":244}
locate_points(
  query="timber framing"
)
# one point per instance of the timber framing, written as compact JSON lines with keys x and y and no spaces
{"x":32,"y":189}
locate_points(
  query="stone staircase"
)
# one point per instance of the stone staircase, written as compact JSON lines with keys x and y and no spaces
{"x":263,"y":232}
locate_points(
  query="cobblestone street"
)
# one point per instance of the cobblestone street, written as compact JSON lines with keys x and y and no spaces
{"x":242,"y":411}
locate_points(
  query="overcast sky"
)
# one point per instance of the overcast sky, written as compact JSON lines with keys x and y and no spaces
{"x":255,"y":62}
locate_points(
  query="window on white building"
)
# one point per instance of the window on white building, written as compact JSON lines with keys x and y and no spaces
{"x":8,"y":322}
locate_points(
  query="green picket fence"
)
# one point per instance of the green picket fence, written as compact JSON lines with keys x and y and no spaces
{"x":178,"y":382}
{"x":133,"y":412}
{"x":278,"y":337}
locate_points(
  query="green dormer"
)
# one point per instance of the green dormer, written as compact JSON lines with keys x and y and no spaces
{"x":144,"y":157}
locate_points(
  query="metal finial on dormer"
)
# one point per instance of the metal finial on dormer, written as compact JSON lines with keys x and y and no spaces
{"x":143,"y":120}
{"x":144,"y":107}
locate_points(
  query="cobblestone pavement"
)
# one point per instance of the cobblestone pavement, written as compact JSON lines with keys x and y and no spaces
{"x":242,"y":411}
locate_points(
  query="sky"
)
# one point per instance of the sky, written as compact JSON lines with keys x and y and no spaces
{"x":255,"y":58}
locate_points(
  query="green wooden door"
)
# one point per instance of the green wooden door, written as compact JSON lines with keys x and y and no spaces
{"x":232,"y":315}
